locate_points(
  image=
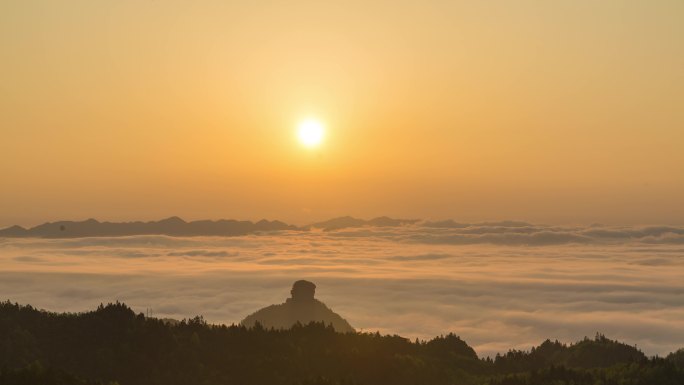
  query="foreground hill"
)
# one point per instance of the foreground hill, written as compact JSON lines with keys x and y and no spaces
{"x":114,"y":345}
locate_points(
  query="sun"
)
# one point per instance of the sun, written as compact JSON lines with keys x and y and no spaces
{"x":310,"y":132}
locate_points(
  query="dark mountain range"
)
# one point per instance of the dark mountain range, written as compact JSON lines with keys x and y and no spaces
{"x":347,"y":222}
{"x":173,"y":226}
{"x":451,"y":224}
{"x":113,"y":345}
{"x":176,"y":226}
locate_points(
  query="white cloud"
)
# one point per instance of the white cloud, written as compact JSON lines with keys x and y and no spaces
{"x":499,"y":286}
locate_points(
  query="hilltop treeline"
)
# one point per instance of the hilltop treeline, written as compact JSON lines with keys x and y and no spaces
{"x":113,"y":345}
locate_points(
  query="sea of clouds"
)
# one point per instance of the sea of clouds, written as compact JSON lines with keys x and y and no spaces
{"x":498,"y":285}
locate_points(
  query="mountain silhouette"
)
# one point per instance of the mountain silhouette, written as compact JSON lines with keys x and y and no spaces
{"x":173,"y":226}
{"x":114,"y":345}
{"x":347,"y":222}
{"x":302,"y":307}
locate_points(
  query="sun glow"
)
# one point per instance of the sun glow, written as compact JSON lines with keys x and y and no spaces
{"x":310,"y":133}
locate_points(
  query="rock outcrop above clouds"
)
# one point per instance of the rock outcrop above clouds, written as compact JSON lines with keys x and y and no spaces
{"x":301,"y":307}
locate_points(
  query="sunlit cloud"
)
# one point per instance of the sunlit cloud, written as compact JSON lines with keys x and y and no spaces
{"x":498,"y":285}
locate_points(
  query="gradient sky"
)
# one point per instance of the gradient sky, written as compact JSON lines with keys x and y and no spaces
{"x":553,"y":111}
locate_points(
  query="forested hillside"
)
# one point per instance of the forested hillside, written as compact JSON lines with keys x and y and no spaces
{"x":114,"y":345}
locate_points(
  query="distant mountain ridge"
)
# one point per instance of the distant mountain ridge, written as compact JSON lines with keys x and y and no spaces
{"x":175,"y":226}
{"x":347,"y":222}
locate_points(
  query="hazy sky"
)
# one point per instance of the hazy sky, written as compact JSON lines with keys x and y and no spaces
{"x":554,"y":111}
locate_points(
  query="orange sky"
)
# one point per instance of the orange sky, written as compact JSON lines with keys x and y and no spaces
{"x":563,"y":111}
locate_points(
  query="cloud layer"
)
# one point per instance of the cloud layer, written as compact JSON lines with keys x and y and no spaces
{"x":498,"y":285}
